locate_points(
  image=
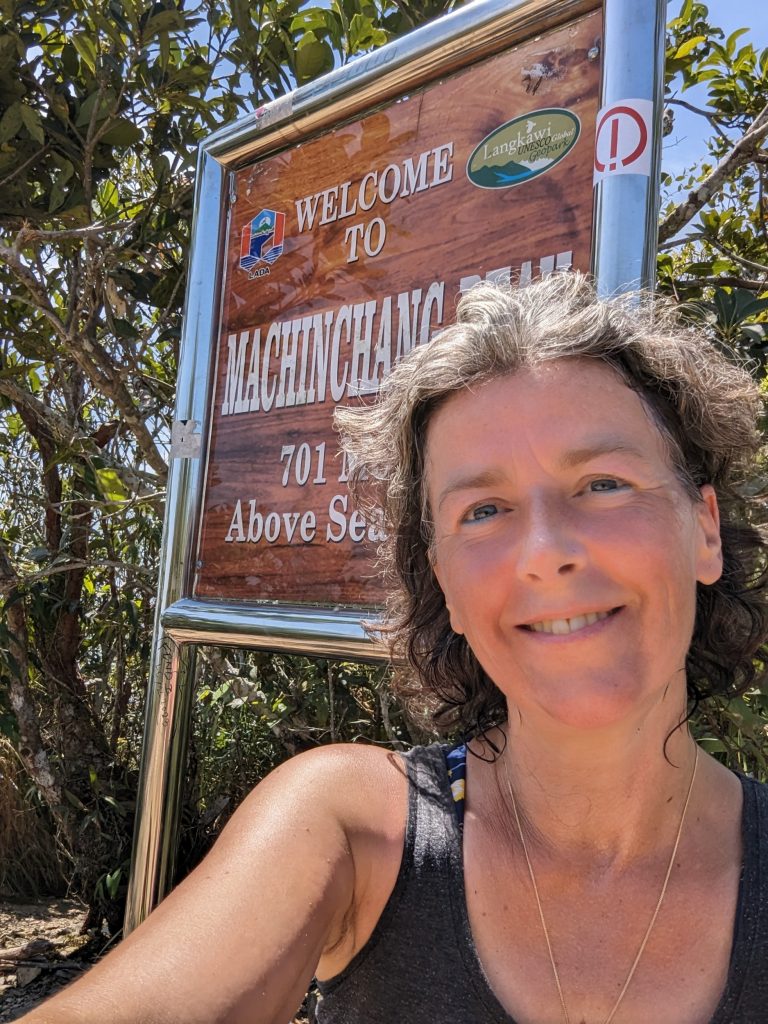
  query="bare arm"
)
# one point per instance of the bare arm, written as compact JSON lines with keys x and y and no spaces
{"x":240,"y":938}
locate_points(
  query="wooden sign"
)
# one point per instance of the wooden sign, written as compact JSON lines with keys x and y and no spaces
{"x":345,"y":252}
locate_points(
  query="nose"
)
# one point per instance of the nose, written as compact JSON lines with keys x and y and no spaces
{"x":549,"y":545}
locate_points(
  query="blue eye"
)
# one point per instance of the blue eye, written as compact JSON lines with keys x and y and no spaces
{"x":605,"y":484}
{"x":480,"y":512}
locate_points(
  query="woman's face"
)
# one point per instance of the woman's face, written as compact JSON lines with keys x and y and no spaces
{"x":567,"y":548}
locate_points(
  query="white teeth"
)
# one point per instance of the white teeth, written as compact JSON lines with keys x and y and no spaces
{"x":561,"y":627}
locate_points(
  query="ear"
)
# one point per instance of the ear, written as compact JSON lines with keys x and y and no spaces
{"x":455,"y":621}
{"x":709,"y":562}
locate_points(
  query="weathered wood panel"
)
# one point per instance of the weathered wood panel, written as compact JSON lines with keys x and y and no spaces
{"x":345,"y":251}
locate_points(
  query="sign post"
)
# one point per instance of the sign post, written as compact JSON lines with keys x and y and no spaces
{"x":628,"y":147}
{"x":334,"y":231}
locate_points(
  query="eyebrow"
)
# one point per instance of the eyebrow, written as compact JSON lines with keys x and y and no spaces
{"x":592,"y":450}
{"x":571,"y":459}
{"x":470,"y":481}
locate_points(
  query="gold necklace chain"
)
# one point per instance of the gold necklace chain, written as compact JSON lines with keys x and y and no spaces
{"x":649,"y":929}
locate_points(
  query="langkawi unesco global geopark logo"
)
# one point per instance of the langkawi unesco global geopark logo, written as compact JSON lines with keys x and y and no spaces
{"x":261,"y":242}
{"x":523,"y":148}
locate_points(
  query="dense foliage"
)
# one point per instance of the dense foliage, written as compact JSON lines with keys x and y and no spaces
{"x":101,"y":108}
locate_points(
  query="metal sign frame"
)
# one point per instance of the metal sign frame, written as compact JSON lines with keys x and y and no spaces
{"x":623,"y":258}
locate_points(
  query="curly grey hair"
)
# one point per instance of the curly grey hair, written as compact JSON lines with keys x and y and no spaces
{"x":704,"y":404}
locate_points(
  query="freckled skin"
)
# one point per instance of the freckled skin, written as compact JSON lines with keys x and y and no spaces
{"x":529,"y":526}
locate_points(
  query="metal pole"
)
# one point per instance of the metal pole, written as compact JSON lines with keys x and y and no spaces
{"x":171,"y":677}
{"x":627,"y":204}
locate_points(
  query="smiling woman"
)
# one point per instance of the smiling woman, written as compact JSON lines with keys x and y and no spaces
{"x":581,"y":518}
{"x":620,"y":386}
{"x":573,"y":569}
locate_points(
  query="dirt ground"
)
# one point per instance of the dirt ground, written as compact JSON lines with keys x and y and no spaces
{"x":39,"y":946}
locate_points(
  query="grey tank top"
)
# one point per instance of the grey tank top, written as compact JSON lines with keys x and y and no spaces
{"x":420,"y":965}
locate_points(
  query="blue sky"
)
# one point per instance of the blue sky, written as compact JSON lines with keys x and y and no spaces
{"x":686,"y":143}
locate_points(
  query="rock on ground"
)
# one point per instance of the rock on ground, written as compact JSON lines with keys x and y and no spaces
{"x":39,"y":943}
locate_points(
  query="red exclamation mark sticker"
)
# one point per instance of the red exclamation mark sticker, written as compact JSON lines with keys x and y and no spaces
{"x":613,"y":156}
{"x":618,"y":126}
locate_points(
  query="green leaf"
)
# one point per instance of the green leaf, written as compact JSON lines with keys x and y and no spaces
{"x":122,"y":133}
{"x":165,"y":21}
{"x":75,"y":801}
{"x":14,"y":424}
{"x":752,"y":307}
{"x":308,"y":21}
{"x":69,"y":60}
{"x":313,"y":57}
{"x":756,"y":333}
{"x":112,"y":882}
{"x":165,"y":50}
{"x":17,"y":370}
{"x":57,"y":197}
{"x":700,"y":268}
{"x":86,"y":109}
{"x":84,"y":43}
{"x":110,"y":485}
{"x":712,"y":745}
{"x":33,"y":123}
{"x":7,"y":53}
{"x":730,"y":43}
{"x":125,"y":329}
{"x":690,"y":44}
{"x":363,"y":34}
{"x":11,"y":121}
{"x":67,"y":170}
{"x":109,"y":198}
{"x":58,"y":106}
{"x":110,"y":29}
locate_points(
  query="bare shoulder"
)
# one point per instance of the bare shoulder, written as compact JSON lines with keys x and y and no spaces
{"x":359,"y":786}
{"x":288,"y":880}
{"x":357,"y":779}
{"x":358,"y":791}
{"x":365,"y":789}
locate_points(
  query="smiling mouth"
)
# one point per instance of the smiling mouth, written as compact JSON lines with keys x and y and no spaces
{"x":562,"y":627}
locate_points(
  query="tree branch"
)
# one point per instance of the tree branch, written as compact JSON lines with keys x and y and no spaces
{"x":690,"y":106}
{"x":714,"y":119}
{"x":101,"y":370}
{"x":11,"y":256}
{"x":37,"y":155}
{"x":90,"y":357}
{"x":758,"y":268}
{"x":29,"y":234}
{"x":673,"y":243}
{"x":741,"y":153}
{"x":78,"y":565}
{"x":55,"y":425}
{"x":63,"y":433}
{"x":730,"y":281}
{"x":31,"y":749}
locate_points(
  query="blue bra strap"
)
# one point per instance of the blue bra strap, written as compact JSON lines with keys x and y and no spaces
{"x":456,"y":763}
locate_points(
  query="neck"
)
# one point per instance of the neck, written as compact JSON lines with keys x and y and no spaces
{"x":604,"y":798}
